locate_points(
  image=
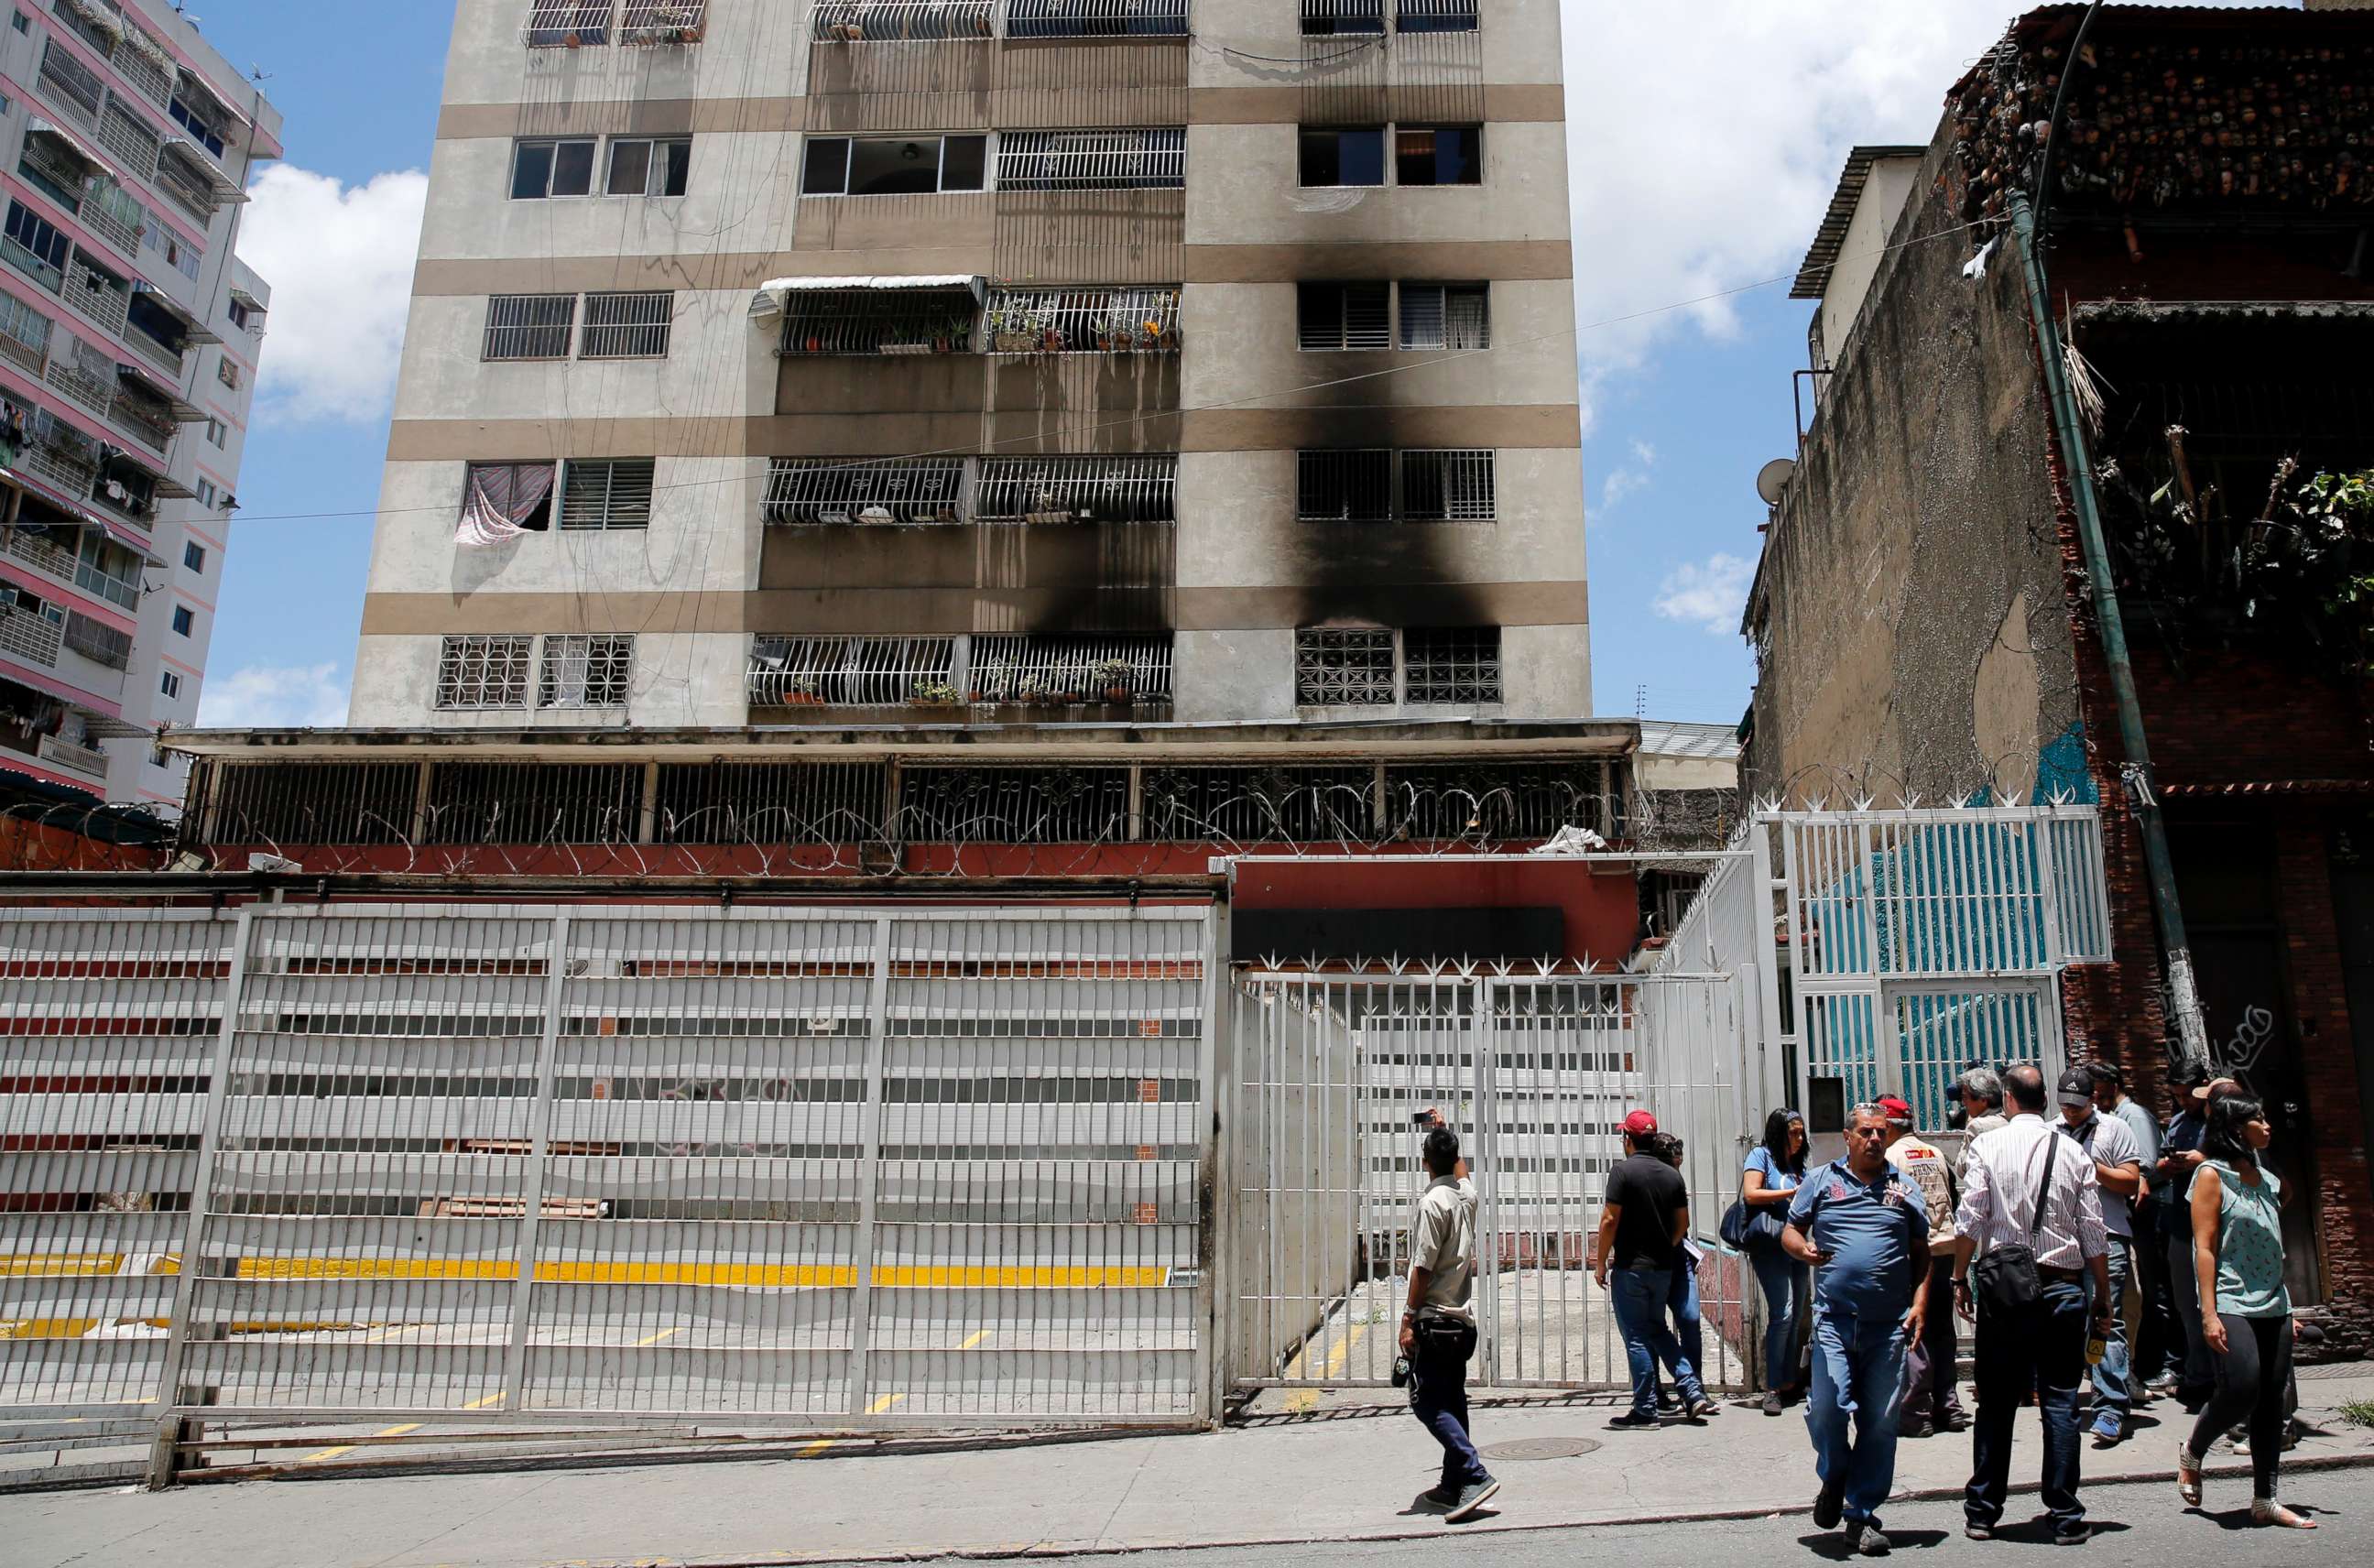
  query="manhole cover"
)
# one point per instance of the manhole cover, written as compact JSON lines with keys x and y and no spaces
{"x":1542,"y":1449}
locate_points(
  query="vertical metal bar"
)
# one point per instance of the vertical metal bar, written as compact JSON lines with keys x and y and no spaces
{"x":861,"y":1324}
{"x":420,"y":797}
{"x":1486,"y":1294}
{"x":1214,"y":1144}
{"x":547,"y":1052}
{"x":164,"y":1455}
{"x":647,"y":820}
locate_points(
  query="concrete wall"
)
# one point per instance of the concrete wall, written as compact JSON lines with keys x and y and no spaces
{"x":1886,"y":189}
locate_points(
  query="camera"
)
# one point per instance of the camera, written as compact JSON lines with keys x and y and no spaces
{"x":1422,"y":1118}
{"x":1401,"y":1371}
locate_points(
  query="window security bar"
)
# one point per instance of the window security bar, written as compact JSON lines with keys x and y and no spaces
{"x":1371,"y":486}
{"x":879,"y":321}
{"x":99,"y":643}
{"x":848,"y":491}
{"x":627,"y":326}
{"x":529,"y":326}
{"x":663,"y":21}
{"x":1095,"y":18}
{"x":130,"y":137}
{"x":484,"y":672}
{"x":74,"y":84}
{"x":1447,"y":486}
{"x":1080,"y":320}
{"x":1343,"y":486}
{"x":1344,"y":667}
{"x":1457,"y":665}
{"x":1140,"y":160}
{"x":1078,"y":490}
{"x":613,"y":492}
{"x":1058,"y":671}
{"x":851,"y":672}
{"x":565,"y":24}
{"x":585,"y":671}
{"x":1330,"y":316}
{"x":1322,"y":18}
{"x":1434,"y":16}
{"x":859,"y":21}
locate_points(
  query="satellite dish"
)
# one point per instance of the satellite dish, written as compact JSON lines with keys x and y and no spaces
{"x":1773,"y":479}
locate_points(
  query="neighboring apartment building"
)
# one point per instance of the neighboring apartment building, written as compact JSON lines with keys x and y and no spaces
{"x":1924,"y":615}
{"x":129,"y":336}
{"x":987,"y":361}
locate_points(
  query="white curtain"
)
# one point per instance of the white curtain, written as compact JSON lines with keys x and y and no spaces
{"x":497,"y":499}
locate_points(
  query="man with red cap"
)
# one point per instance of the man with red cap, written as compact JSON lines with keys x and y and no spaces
{"x":1646,"y":1215}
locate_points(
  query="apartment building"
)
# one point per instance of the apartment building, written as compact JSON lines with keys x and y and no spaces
{"x":129,"y":336}
{"x":981,"y":363}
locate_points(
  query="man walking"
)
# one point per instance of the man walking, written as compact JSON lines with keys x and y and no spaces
{"x":2149,"y":1316}
{"x":2118,"y":1168}
{"x":1439,"y":1325}
{"x":2192,"y":1377}
{"x":1865,"y":1226}
{"x":2017,"y":1192}
{"x":1931,"y":1403}
{"x":1641,"y":1231}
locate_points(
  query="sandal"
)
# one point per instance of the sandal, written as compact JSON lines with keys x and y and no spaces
{"x":2188,"y":1474}
{"x":2267,"y":1511}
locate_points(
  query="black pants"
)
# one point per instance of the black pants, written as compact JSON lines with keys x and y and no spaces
{"x":1437,"y":1395}
{"x":1929,"y":1366}
{"x":2043,"y":1348}
{"x":2252,"y":1377}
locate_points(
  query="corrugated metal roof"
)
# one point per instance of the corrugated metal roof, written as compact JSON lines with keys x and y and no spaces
{"x":1668,"y":737}
{"x":1814,"y":274}
{"x":2042,"y":24}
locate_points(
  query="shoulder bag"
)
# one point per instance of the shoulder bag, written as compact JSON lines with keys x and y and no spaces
{"x":2003,"y":1278}
{"x":1752,"y":1227}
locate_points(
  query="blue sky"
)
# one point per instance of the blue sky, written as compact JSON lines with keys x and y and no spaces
{"x":1704,"y":139}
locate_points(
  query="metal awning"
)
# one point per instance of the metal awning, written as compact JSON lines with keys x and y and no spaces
{"x":248,"y":299}
{"x":177,"y":310}
{"x":51,"y":686}
{"x":156,"y":385}
{"x":37,"y":126}
{"x":775,"y":296}
{"x":225,"y":189}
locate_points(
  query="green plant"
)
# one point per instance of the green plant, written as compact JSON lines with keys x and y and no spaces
{"x":1114,"y":672}
{"x":2358,"y":1412}
{"x":2310,"y":560}
{"x":929,"y":692}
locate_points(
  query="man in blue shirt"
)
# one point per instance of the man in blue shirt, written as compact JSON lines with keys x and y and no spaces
{"x":1865,"y":1226}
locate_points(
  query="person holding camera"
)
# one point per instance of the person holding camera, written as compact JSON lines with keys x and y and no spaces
{"x":1438,"y":1331}
{"x":2031,"y":1240}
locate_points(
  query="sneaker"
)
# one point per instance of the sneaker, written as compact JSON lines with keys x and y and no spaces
{"x":1977,"y":1531}
{"x":1669,"y":1401}
{"x":2078,"y":1534}
{"x":2109,"y":1434}
{"x":1471,"y":1496}
{"x":1917,"y":1428}
{"x":1772,"y":1402}
{"x":1702,"y":1407}
{"x":1443,"y":1496}
{"x":1634,"y":1420}
{"x":1830,"y":1507}
{"x":1863,"y":1536}
{"x":1957,"y":1421}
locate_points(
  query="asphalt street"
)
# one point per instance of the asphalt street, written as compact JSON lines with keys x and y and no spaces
{"x":2138,"y":1526}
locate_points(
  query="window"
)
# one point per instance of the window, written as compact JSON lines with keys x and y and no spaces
{"x":1453,"y":665}
{"x":170,"y":684}
{"x":508,"y":495}
{"x":227,"y":370}
{"x":1342,"y":315}
{"x":184,"y":617}
{"x":585,"y":672}
{"x":217,"y":433}
{"x":608,"y":492}
{"x":194,"y":556}
{"x":852,"y":490}
{"x":1321,"y":18}
{"x":1382,"y":487}
{"x":542,"y":169}
{"x":36,"y":234}
{"x":641,"y":167}
{"x":892,"y":166}
{"x":627,"y":326}
{"x":23,"y":333}
{"x":1447,"y":154}
{"x":1343,"y":486}
{"x":21,"y":22}
{"x":238,"y":313}
{"x":554,"y":24}
{"x":1446,"y":316}
{"x":1148,"y":159}
{"x":1434,"y":16}
{"x":207,"y":494}
{"x":201,"y":119}
{"x":1348,"y":157}
{"x":99,"y":643}
{"x":529,"y":326}
{"x":484,"y":672}
{"x":1343,"y":668}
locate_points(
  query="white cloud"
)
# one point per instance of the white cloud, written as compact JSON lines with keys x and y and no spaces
{"x":1626,"y":478}
{"x":1703,"y":141}
{"x":338,"y":259}
{"x":1709,"y":594}
{"x":270,"y":697}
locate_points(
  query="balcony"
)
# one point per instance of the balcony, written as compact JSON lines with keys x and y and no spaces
{"x":872,"y":315}
{"x":54,"y":559}
{"x":115,"y":216}
{"x":72,"y":759}
{"x":191,"y":184}
{"x":145,"y":63}
{"x":162,"y":356}
{"x":148,"y":417}
{"x":659,"y":22}
{"x":24,"y":337}
{"x":1083,"y":320}
{"x":83,"y":373}
{"x":130,"y":138}
{"x":97,"y":292}
{"x":914,"y":21}
{"x":565,"y":24}
{"x":72,"y":86}
{"x":59,"y":166}
{"x":859,"y":21}
{"x":35,"y":267}
{"x":966,"y":678}
{"x":32,"y":637}
{"x":60,"y":455}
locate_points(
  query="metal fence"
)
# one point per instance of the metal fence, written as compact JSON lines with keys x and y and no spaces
{"x":835,"y":1169}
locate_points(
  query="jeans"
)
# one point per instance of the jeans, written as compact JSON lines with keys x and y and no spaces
{"x":1437,"y":1395}
{"x":2113,"y":1393}
{"x":2159,"y":1342}
{"x":1643,"y":1298}
{"x":2253,"y":1376}
{"x":1858,"y":1376}
{"x":1930,"y":1369}
{"x":1788,"y":1293}
{"x":2195,"y":1376}
{"x":2041,"y":1346}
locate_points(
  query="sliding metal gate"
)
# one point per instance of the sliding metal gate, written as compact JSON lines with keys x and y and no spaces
{"x":826,"y":1169}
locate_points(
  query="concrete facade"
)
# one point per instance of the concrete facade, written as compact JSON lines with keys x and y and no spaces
{"x":133,"y":337}
{"x":1206,"y":603}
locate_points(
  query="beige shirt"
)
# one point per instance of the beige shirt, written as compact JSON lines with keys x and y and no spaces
{"x":1442,"y":1242}
{"x":1926,"y":1166}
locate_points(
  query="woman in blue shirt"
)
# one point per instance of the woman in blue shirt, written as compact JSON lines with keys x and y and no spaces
{"x":1766,"y":1183}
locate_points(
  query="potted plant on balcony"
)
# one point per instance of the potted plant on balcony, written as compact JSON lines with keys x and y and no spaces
{"x":1114,"y":676}
{"x":799,"y":692}
{"x":928,"y":692}
{"x":1072,"y":682}
{"x":992,"y":681}
{"x":1015,"y":328}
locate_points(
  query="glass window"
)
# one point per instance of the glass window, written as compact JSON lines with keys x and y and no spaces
{"x":37,"y":234}
{"x":170,"y":685}
{"x":531,"y":170}
{"x":890,"y":168}
{"x":184,"y":620}
{"x":640,"y":168}
{"x":678,"y":174}
{"x":552,"y":168}
{"x":1447,"y":155}
{"x":1332,"y":316}
{"x":964,"y":163}
{"x":630,"y":167}
{"x":572,"y":169}
{"x":1354,"y":157}
{"x":890,"y":165}
{"x":825,"y":173}
{"x":194,"y":555}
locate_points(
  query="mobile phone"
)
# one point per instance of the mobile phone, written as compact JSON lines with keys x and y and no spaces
{"x":1421,"y":1118}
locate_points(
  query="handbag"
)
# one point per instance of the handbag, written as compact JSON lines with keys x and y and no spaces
{"x":2003,"y":1278}
{"x":1750,"y":1227}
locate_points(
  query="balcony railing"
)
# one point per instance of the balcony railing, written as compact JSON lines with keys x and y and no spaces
{"x":879,"y":321}
{"x":101,"y":645}
{"x":156,"y":353}
{"x":648,"y":22}
{"x":1095,"y":18}
{"x":979,"y":671}
{"x":147,"y":419}
{"x":852,"y":490}
{"x":98,"y":293}
{"x":146,"y":65}
{"x":100,"y":25}
{"x":1139,"y":159}
{"x":1083,"y":320}
{"x":32,"y":266}
{"x":852,"y":672}
{"x":1084,"y":488}
{"x":565,"y":24}
{"x":72,"y":86}
{"x":67,"y":471}
{"x":190,"y":190}
{"x":860,"y":21}
{"x":880,"y":21}
{"x":82,"y":373}
{"x":33,"y":638}
{"x":1054,"y":672}
{"x":114,"y":590}
{"x":130,"y":138}
{"x":40,"y":552}
{"x":58,"y":168}
{"x":116,"y":216}
{"x":72,"y":758}
{"x":24,"y":337}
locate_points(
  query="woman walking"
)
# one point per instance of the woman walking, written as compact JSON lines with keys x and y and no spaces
{"x":2246,"y":1313}
{"x":1766,"y":1183}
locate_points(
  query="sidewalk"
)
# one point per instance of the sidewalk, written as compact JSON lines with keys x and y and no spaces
{"x":1329,"y":1475}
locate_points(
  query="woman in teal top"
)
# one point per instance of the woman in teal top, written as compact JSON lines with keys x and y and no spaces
{"x":2246,"y":1313}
